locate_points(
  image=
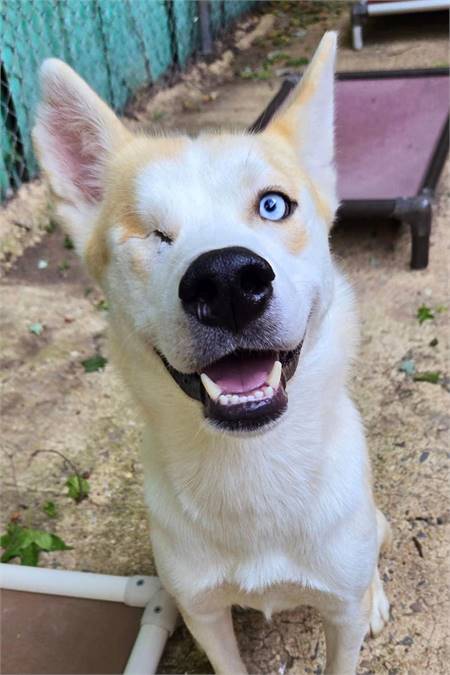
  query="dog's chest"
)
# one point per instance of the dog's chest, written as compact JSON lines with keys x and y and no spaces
{"x":276,"y":598}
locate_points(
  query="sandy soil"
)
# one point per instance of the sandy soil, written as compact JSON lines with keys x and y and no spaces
{"x":49,"y":404}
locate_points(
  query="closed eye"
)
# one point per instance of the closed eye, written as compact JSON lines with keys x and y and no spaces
{"x":163,"y":237}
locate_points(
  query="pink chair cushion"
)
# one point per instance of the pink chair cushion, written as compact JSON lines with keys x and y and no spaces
{"x":386,"y":133}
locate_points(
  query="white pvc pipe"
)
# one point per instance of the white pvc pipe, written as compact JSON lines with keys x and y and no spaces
{"x":135,"y":591}
{"x":147,"y":651}
{"x":157,"y":623}
{"x":385,"y":8}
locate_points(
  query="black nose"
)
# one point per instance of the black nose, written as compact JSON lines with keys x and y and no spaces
{"x":228,"y":287}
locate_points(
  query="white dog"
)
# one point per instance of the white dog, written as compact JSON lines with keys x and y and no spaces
{"x":233,"y":329}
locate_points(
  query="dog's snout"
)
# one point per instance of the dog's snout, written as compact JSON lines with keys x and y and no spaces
{"x":227,"y":287}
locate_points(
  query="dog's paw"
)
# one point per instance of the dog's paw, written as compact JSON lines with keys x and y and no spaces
{"x":379,"y":611}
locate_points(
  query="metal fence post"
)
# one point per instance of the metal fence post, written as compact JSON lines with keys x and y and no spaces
{"x":205,"y":27}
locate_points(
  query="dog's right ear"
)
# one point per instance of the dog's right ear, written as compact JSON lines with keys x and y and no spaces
{"x":74,"y":138}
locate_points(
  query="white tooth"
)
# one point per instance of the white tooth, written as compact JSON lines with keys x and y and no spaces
{"x":269,"y":391}
{"x":243,"y":399}
{"x":258,"y":393}
{"x":211,"y":387}
{"x":275,"y":376}
{"x":251,"y":397}
{"x":223,"y":399}
{"x":234,"y":399}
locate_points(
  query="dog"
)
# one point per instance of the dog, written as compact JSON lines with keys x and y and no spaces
{"x":234,"y":330}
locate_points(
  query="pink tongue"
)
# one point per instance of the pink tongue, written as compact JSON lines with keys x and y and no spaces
{"x":235,"y":374}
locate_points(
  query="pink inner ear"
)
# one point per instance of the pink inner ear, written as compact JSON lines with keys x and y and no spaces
{"x":76,"y":147}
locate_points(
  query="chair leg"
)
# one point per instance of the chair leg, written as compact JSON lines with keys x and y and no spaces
{"x":420,"y":224}
{"x":417,"y":213}
{"x":357,"y":37}
{"x":358,"y":15}
{"x":419,"y":249}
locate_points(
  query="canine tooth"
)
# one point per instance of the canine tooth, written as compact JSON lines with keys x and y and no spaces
{"x":234,"y":399}
{"x":211,"y":387}
{"x":223,"y":399}
{"x":258,"y":393}
{"x":275,"y":376}
{"x":269,"y":391}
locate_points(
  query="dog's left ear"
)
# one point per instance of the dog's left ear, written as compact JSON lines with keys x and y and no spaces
{"x":307,"y":118}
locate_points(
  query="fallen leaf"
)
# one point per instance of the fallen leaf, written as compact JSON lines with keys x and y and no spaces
{"x":36,"y":328}
{"x":430,"y":376}
{"x":407,"y":366}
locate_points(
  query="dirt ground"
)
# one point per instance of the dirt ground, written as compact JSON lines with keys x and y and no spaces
{"x":51,"y":405}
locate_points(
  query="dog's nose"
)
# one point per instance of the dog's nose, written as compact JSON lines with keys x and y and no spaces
{"x":228,"y":287}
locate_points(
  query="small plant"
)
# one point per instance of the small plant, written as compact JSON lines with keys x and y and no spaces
{"x":27,"y":544}
{"x":260,"y":74}
{"x":424,"y":313}
{"x":50,"y":509}
{"x":64,"y":266}
{"x":158,"y":115}
{"x":68,"y":243}
{"x":102,"y":305}
{"x":94,"y":363}
{"x":295,"y":63}
{"x":50,"y":227}
{"x":78,"y":488}
{"x":276,"y":57}
{"x":77,"y":483}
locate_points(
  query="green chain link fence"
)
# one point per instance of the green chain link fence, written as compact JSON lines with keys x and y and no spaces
{"x":116,"y":45}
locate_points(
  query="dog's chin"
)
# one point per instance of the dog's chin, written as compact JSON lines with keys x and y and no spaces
{"x":245,"y":391}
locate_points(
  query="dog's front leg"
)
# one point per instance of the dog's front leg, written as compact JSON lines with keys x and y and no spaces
{"x":344,"y":633}
{"x":215,"y":634}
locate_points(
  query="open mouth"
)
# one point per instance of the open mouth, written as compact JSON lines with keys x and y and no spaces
{"x":244,"y":390}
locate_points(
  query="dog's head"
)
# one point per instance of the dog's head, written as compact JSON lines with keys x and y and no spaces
{"x":213,"y":251}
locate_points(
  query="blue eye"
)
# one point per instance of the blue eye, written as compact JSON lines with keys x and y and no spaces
{"x":273,"y":206}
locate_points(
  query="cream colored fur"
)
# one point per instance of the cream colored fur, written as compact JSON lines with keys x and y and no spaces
{"x":270,"y":520}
